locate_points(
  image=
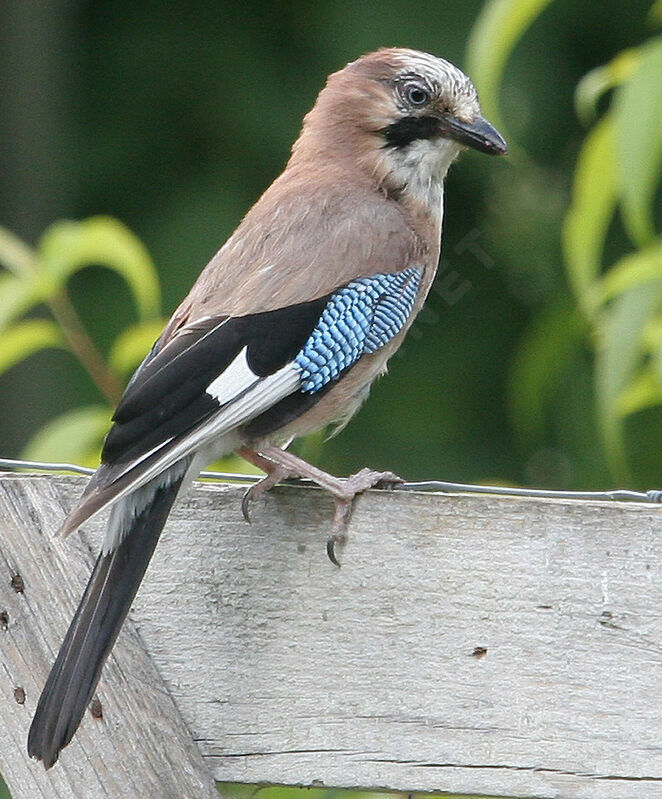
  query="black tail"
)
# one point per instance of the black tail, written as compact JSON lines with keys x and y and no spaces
{"x":94,"y":628}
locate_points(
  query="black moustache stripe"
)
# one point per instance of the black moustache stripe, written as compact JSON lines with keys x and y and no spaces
{"x":410,"y":129}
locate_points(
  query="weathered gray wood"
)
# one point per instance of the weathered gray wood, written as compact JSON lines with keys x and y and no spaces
{"x":287,"y":669}
{"x":140,"y":747}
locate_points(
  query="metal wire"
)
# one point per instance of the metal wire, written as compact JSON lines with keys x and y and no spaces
{"x":617,"y":494}
{"x":13,"y":463}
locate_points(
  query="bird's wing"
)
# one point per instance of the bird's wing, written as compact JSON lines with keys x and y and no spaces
{"x":217,"y":375}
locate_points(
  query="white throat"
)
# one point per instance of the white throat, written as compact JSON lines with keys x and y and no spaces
{"x":418,"y":171}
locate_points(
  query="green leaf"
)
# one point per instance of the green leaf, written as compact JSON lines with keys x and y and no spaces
{"x":131,"y":346}
{"x":644,"y":391}
{"x":618,"y":356}
{"x":655,"y":14}
{"x":18,"y":296}
{"x":592,"y":207}
{"x":653,"y":343}
{"x":15,"y":254}
{"x":495,"y":33}
{"x":25,"y":338}
{"x":599,"y":80}
{"x":537,"y":369}
{"x":638,"y":121}
{"x":66,"y":247}
{"x":633,"y":270}
{"x":74,"y":437}
{"x":653,"y":335}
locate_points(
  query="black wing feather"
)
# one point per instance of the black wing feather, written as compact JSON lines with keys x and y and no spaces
{"x":167,"y":396}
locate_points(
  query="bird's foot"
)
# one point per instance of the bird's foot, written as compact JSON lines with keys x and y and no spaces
{"x":280,"y":465}
{"x":275,"y":474}
{"x":343,"y":490}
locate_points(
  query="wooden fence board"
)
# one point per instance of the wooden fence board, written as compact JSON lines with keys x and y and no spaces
{"x":141,"y":747}
{"x":467,"y":644}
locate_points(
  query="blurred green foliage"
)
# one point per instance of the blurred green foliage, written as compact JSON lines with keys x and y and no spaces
{"x":617,"y":300}
{"x":38,"y":279}
{"x":616,"y":281}
{"x":493,"y":37}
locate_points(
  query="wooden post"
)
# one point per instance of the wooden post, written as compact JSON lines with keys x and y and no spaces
{"x":467,"y":644}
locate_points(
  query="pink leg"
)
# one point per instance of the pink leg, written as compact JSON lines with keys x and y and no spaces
{"x":280,"y":464}
{"x":275,"y":474}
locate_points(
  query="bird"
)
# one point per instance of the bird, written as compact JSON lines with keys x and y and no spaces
{"x":282,"y":334}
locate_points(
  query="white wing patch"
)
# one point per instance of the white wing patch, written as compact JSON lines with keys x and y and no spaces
{"x":234,"y":381}
{"x":256,"y":399}
{"x":265,"y":393}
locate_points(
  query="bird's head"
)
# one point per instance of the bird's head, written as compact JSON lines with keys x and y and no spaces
{"x":403,"y":114}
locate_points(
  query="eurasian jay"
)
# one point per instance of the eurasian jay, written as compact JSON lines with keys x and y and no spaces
{"x":281,"y":335}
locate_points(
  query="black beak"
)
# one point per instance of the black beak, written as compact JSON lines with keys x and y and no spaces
{"x":478,"y":134}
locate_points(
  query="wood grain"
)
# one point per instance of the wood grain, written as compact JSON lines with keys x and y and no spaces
{"x":468,"y":644}
{"x":140,"y":747}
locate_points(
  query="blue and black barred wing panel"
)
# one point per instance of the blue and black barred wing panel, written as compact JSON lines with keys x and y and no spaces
{"x":358,"y":319}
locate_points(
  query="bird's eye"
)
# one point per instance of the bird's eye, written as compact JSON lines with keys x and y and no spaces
{"x":415,"y":95}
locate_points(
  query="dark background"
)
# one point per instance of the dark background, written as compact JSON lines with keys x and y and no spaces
{"x":174,"y":118}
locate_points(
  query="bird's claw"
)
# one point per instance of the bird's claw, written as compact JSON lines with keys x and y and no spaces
{"x":388,"y":481}
{"x":344,"y":499}
{"x":340,"y":519}
{"x":254,"y":492}
{"x":331,"y":542}
{"x":246,"y":504}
